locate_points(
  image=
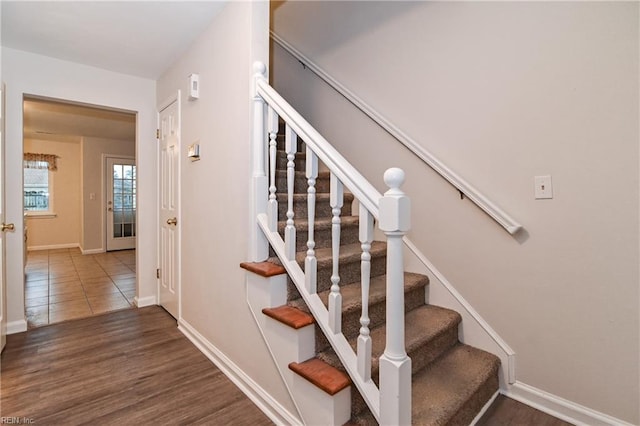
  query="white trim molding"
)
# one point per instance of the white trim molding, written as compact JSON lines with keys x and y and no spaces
{"x":476,"y":331}
{"x":141,"y":302}
{"x":52,"y":247}
{"x":18,"y":326}
{"x":92,"y":251}
{"x":561,"y":408}
{"x":265,"y":402}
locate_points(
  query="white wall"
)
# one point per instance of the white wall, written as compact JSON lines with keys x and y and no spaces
{"x":26,"y":73}
{"x":215,"y":191}
{"x":502,"y":92}
{"x":93,"y":182}
{"x":64,"y":228}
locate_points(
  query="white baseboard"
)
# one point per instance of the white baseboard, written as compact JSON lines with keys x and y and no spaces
{"x":272,"y":408}
{"x":141,"y":302}
{"x":559,"y":407}
{"x":92,"y":251}
{"x":484,"y":409}
{"x":53,"y":247}
{"x":14,"y":327}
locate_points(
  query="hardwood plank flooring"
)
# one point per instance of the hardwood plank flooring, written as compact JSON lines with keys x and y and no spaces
{"x":126,"y":367}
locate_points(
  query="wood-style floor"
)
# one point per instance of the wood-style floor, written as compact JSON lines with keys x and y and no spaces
{"x":135,"y":367}
{"x":131,"y":367}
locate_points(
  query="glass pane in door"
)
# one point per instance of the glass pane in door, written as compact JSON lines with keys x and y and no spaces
{"x":124,"y":200}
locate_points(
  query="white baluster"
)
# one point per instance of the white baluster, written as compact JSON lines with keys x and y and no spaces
{"x":310,"y":262}
{"x":272,"y":118}
{"x":291,"y":146}
{"x":364,"y":340}
{"x":335,"y":298}
{"x":259,"y":245}
{"x":395,"y":365}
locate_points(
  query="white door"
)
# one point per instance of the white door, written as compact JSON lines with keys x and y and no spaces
{"x":121,"y":203}
{"x":169,"y":238}
{"x":3,"y":290}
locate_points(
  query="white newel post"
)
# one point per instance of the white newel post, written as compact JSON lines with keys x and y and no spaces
{"x":395,"y":365}
{"x":259,"y":247}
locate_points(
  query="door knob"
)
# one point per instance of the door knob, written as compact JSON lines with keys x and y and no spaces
{"x":8,"y":227}
{"x":110,"y":209}
{"x":172,"y":221}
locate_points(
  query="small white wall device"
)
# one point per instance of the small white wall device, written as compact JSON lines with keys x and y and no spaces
{"x":194,"y":87}
{"x":193,"y":151}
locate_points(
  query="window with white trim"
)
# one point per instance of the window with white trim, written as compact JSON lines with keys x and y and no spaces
{"x":38,"y":183}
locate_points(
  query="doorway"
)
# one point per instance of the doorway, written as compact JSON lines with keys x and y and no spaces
{"x":120,"y":178}
{"x":169,"y":208}
{"x":68,"y":273}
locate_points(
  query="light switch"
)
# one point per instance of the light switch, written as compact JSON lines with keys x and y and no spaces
{"x":543,"y":187}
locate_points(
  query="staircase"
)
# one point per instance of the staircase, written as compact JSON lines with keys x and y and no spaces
{"x":451,"y":381}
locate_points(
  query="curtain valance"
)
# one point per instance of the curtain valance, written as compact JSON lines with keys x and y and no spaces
{"x":40,"y":161}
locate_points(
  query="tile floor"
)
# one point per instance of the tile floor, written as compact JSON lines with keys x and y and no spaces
{"x":64,"y":284}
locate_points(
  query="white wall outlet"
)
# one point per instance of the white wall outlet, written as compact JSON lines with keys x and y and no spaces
{"x":543,"y":187}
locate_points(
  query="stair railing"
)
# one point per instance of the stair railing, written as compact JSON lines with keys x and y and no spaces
{"x":391,"y":402}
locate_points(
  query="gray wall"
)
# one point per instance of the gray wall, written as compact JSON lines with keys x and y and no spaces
{"x":93,"y":177}
{"x":502,"y":92}
{"x":215,"y":191}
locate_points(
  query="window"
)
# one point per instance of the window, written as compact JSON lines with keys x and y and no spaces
{"x":36,"y":190}
{"x":38,"y":183}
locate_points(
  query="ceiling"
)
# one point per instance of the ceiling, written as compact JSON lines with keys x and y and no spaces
{"x":139,"y":38}
{"x":53,"y":120}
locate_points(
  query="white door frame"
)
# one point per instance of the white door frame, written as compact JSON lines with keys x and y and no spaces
{"x":163,"y":105}
{"x":105,"y":198}
{"x":3,"y":275}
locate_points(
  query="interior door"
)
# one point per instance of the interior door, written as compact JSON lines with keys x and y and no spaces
{"x":121,"y":203}
{"x":169,"y":197}
{"x":5,"y":227}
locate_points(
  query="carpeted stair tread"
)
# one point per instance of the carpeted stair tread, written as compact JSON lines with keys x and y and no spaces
{"x":320,"y":223}
{"x":414,"y":285}
{"x":322,"y":231}
{"x":323,"y":208}
{"x":452,"y":390}
{"x":282,"y":160}
{"x":429,"y":332}
{"x":321,"y":374}
{"x":348,"y":267}
{"x":349,"y":253}
{"x":288,"y":315}
{"x":301,"y":183}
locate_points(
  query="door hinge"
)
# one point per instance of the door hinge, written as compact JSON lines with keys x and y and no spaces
{"x":157,"y":133}
{"x":158,"y":273}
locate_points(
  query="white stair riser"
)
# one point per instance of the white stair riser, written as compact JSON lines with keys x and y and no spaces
{"x":288,"y":345}
{"x":319,"y":407}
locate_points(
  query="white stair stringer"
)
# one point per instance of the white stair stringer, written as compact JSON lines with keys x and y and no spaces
{"x":288,"y":345}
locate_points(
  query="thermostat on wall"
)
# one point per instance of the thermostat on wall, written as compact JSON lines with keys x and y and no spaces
{"x":194,"y":87}
{"x":193,"y":151}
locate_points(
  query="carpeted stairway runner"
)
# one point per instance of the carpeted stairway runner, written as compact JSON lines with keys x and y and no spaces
{"x":451,"y":381}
